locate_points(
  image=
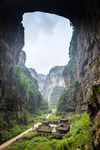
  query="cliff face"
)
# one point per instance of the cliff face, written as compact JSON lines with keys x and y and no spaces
{"x":88,"y":73}
{"x":11,"y":41}
{"x":49,"y":82}
{"x":40,"y":78}
{"x":25,"y":71}
{"x":34,"y":97}
{"x":89,"y":69}
{"x":72,"y":99}
{"x":53,"y":79}
{"x":85,"y":16}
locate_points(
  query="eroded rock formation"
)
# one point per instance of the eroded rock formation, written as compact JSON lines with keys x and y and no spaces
{"x":53,"y":79}
{"x":48,"y":82}
{"x":84,"y":14}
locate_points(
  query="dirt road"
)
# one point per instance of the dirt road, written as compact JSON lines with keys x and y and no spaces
{"x":47,"y":117}
{"x":17,"y":137}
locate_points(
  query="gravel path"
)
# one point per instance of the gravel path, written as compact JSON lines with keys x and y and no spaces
{"x":17,"y":137}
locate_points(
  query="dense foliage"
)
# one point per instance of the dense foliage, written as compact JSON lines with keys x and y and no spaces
{"x":54,"y":97}
{"x":24,"y":88}
{"x":81,"y":132}
{"x":62,"y":103}
{"x":70,"y":72}
{"x":11,"y":129}
{"x":94,"y":97}
{"x":45,"y":107}
{"x":53,"y":116}
{"x":80,"y":135}
{"x":69,"y":98}
{"x":35,"y":98}
{"x":27,"y":75}
{"x":33,"y":102}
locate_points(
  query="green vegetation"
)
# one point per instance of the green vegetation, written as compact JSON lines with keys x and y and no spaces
{"x":53,"y":116}
{"x":55,"y":96}
{"x":61,"y":106}
{"x":35,"y":99}
{"x":10,"y":130}
{"x":27,"y":75}
{"x":70,"y":72}
{"x":97,"y":65}
{"x":80,"y":134}
{"x":95,"y":90}
{"x":45,"y":107}
{"x":23,"y":83}
{"x":66,"y":103}
{"x":75,"y":84}
{"x":71,"y":67}
{"x":34,"y":108}
{"x":30,"y":135}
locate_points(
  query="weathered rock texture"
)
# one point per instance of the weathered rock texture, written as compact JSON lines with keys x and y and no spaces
{"x":72,"y":99}
{"x":40,"y":78}
{"x":53,"y":79}
{"x":11,"y":42}
{"x":49,"y":82}
{"x":84,"y":14}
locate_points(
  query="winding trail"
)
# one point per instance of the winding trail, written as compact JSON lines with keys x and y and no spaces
{"x":20,"y":135}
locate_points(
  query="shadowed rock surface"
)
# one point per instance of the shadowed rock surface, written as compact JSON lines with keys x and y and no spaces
{"x":84,"y":15}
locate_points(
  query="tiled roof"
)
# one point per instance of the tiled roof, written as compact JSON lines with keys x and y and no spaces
{"x":45,"y":129}
{"x":62,"y":128}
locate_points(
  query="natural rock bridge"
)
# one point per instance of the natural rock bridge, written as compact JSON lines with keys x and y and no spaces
{"x":84,"y":15}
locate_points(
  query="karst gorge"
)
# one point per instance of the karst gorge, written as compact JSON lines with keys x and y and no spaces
{"x":20,"y":99}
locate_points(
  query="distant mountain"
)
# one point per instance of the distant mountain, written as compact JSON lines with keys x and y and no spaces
{"x":40,"y":78}
{"x":53,"y":79}
{"x":36,"y":101}
{"x":49,"y":84}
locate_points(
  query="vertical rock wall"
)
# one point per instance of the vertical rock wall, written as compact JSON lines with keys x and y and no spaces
{"x":11,"y":43}
{"x":89,"y":66}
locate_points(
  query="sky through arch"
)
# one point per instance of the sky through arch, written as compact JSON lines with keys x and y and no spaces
{"x":47,"y":38}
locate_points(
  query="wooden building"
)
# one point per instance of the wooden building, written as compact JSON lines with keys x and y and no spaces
{"x":44,"y":130}
{"x":63,"y":128}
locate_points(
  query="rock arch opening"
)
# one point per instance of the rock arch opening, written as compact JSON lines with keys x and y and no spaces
{"x":85,"y":16}
{"x":47,"y":41}
{"x":47,"y":38}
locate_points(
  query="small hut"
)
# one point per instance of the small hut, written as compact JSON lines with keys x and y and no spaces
{"x":62,"y":128}
{"x":44,"y":130}
{"x":64,"y":120}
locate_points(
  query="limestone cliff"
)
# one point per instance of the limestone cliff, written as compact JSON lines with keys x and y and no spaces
{"x":49,"y":82}
{"x":53,"y":79}
{"x":88,"y":72}
{"x":72,"y":100}
{"x":35,"y":99}
{"x":24,"y":70}
{"x":40,"y":78}
{"x":84,"y":15}
{"x":89,"y":67}
{"x":11,"y":43}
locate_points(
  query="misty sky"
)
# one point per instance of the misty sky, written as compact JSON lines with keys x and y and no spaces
{"x":47,"y":38}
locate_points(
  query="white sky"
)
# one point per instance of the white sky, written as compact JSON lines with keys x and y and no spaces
{"x":47,"y":38}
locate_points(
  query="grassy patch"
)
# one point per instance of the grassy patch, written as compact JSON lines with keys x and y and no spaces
{"x":81,"y":131}
{"x":53,"y":116}
{"x":80,"y":134}
{"x":6,"y":133}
